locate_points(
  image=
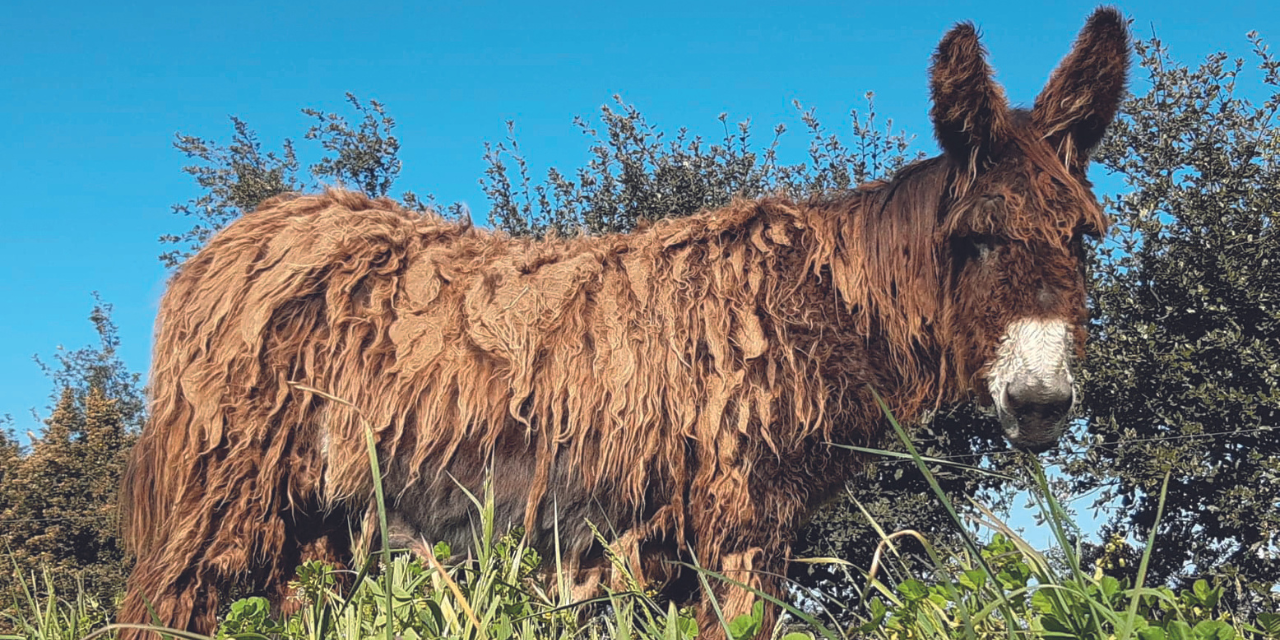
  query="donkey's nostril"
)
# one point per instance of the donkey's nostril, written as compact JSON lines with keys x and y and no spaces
{"x":1047,"y":400}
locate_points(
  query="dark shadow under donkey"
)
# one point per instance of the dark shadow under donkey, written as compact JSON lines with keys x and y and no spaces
{"x":678,"y":386}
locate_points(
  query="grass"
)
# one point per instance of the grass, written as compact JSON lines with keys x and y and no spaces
{"x":1002,"y":588}
{"x":43,"y":614}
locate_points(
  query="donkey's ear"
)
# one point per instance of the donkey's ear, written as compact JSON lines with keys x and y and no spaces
{"x":1084,"y":92}
{"x":970,"y":112}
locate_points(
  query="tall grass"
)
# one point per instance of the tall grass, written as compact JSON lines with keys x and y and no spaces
{"x":44,"y":614}
{"x":1003,"y":588}
{"x":1008,"y":589}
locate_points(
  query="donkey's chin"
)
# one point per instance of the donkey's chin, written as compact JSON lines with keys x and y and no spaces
{"x":1033,"y":433}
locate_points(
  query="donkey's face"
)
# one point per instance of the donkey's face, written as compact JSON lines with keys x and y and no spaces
{"x":1013,"y":232}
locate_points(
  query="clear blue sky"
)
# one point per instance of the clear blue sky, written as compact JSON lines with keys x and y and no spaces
{"x":93,"y":93}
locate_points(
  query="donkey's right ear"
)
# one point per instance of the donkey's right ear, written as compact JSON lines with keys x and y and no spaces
{"x":970,"y":112}
{"x":1084,"y":92}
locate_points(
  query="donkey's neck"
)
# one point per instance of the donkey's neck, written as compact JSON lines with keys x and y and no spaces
{"x":879,"y":248}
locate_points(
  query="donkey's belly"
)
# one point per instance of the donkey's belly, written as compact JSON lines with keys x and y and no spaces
{"x":435,"y":508}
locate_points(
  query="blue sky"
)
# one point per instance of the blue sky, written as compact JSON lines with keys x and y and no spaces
{"x":94,"y":93}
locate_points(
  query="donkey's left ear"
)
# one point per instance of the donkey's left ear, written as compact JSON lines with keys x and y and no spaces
{"x":1084,"y":92}
{"x":970,"y":112}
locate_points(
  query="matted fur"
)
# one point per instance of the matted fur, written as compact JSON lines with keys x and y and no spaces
{"x":682,"y":381}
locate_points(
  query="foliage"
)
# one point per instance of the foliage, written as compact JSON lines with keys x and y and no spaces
{"x":58,"y":502}
{"x":99,"y":367}
{"x":365,"y":158}
{"x":498,"y":593}
{"x":1184,"y":372}
{"x":491,"y":593}
{"x":637,"y":175}
{"x":58,"y":499}
{"x":9,"y":449}
{"x":39,"y":611}
{"x":1100,"y":607}
{"x":236,"y":178}
{"x":894,"y":495}
{"x":1006,"y":588}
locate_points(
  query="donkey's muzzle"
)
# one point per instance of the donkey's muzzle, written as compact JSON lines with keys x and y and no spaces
{"x":1031,"y":384}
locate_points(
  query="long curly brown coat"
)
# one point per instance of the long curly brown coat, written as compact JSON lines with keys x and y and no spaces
{"x":678,"y":385}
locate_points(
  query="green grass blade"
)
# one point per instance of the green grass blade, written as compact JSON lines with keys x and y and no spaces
{"x":939,"y":461}
{"x":1132,"y":612}
{"x":812,"y":621}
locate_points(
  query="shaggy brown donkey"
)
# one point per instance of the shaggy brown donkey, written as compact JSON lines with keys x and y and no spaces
{"x":677,"y":386}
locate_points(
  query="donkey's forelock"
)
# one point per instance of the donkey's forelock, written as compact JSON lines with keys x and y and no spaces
{"x":1042,"y":201}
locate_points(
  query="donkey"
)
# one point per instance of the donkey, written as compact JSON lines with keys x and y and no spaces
{"x":679,"y":386}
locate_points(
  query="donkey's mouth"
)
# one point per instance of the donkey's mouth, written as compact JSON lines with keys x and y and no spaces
{"x":1036,"y":414}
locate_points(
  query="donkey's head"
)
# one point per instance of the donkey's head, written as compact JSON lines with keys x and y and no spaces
{"x":1020,"y":206}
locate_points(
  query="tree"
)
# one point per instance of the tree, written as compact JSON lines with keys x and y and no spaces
{"x":58,"y":500}
{"x":9,"y":449}
{"x":637,"y":174}
{"x":99,"y":367}
{"x":236,"y":178}
{"x":1184,"y":362}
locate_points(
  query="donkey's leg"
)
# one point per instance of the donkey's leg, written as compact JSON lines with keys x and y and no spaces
{"x":179,"y":583}
{"x":742,"y":533}
{"x":156,"y":596}
{"x":757,"y":568}
{"x":322,"y":540}
{"x":205,"y":547}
